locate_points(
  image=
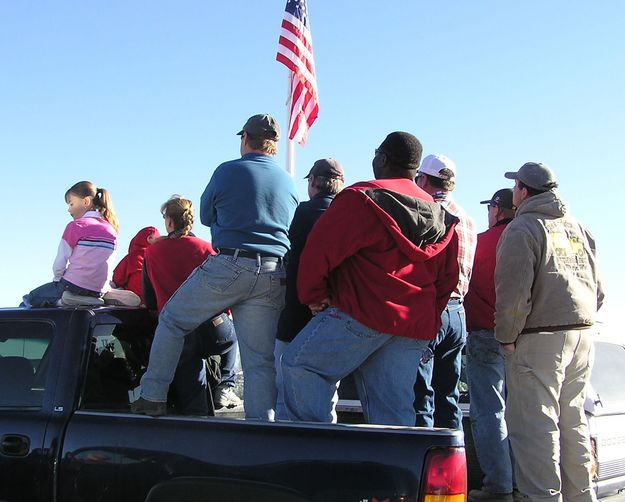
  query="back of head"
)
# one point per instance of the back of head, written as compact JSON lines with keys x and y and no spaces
{"x":100,"y":200}
{"x":403,"y":151}
{"x":263,"y":133}
{"x":180,"y":211}
{"x":142,"y":239}
{"x":328,"y":176}
{"x":440,"y":170}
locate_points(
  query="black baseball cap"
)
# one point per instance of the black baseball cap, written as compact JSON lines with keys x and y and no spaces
{"x":501,"y":198}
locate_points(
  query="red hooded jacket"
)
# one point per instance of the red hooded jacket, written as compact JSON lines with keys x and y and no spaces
{"x":127,"y":273}
{"x":385,"y":254}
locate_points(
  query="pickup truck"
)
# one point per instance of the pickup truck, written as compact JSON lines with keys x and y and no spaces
{"x":66,"y":379}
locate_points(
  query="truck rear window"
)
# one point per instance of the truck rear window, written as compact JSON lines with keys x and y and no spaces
{"x":23,"y":363}
{"x":609,"y":364}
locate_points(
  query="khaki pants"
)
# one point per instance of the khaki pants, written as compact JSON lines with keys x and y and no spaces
{"x":546,"y":377}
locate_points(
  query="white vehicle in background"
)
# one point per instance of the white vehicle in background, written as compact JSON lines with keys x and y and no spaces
{"x":605,"y":409}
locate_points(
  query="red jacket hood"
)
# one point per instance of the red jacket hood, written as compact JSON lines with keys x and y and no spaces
{"x":422,"y":229}
{"x":140,"y":241}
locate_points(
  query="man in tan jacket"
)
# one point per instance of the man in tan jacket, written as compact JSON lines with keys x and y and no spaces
{"x":548,"y":293}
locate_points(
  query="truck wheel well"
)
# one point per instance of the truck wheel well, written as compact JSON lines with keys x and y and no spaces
{"x":206,"y":489}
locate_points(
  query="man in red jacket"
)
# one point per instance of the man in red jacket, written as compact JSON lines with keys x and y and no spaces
{"x":485,"y":362}
{"x":377,"y":270}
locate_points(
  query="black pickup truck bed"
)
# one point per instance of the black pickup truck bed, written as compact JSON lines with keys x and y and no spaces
{"x":66,"y":432}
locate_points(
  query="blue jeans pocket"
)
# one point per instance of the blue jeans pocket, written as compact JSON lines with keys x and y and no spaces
{"x":360,"y":330}
{"x":277,"y":289}
{"x":219,"y":273}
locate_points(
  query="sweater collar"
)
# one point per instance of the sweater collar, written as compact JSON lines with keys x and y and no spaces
{"x":505,"y":221}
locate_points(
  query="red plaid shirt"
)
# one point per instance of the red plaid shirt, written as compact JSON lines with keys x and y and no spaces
{"x":467,"y":240}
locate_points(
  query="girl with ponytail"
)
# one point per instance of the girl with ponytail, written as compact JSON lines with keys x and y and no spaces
{"x":84,"y":258}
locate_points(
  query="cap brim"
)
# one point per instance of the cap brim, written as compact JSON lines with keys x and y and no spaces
{"x":511,"y":175}
{"x":240,"y":133}
{"x":486,"y":202}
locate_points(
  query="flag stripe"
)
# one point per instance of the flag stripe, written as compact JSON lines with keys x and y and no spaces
{"x":288,"y":49}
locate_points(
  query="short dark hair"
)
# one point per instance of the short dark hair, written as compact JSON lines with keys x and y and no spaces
{"x":530,"y":191}
{"x":403,"y":150}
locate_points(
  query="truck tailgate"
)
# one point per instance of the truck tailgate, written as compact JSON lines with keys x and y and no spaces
{"x":121,"y":457}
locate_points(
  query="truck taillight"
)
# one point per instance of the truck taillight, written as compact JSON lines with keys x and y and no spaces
{"x":445,"y":476}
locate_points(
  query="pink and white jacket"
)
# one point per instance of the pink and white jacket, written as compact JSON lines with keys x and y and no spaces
{"x":86,"y":251}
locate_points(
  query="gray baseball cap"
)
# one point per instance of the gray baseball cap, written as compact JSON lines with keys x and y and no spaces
{"x":326,"y":168}
{"x":261,"y":126}
{"x":535,"y":175}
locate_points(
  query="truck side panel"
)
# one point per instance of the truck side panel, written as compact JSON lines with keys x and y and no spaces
{"x":130,"y":454}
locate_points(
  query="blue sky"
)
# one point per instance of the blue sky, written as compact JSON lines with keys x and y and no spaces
{"x":144,"y":99}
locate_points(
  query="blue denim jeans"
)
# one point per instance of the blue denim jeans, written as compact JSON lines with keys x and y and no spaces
{"x":280,"y":406}
{"x":486,"y":375}
{"x":278,"y":351}
{"x":214,"y":337}
{"x":333,"y":345}
{"x":220,"y":339}
{"x":227,"y":365}
{"x":49,"y":294}
{"x":436,"y":387}
{"x":254,"y":290}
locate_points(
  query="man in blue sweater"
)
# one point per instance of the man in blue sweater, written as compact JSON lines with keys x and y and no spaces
{"x":248,"y":204}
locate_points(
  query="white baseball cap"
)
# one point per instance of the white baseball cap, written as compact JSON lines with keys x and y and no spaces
{"x":434,"y":164}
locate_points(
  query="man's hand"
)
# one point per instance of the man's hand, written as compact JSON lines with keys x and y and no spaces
{"x":508,"y":348}
{"x":315,"y":308}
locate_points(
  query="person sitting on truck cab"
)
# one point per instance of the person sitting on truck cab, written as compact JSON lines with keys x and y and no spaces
{"x":84,"y":258}
{"x":128,"y":272}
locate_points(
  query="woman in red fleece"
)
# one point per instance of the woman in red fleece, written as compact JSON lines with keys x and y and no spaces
{"x":168,"y":263}
{"x":127,"y":273}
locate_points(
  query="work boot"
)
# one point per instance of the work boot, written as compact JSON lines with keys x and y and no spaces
{"x":478,"y":495}
{"x":152,"y":408}
{"x":225,"y":397}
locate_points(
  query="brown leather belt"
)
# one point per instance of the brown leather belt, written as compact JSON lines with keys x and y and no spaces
{"x":556,"y":328}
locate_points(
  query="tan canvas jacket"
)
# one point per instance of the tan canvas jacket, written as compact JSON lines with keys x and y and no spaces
{"x":545,"y":275}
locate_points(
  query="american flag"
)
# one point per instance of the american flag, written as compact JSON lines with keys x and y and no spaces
{"x":295,"y":52}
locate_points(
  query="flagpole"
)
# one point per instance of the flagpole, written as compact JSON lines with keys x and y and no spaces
{"x":290,"y":145}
